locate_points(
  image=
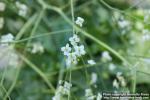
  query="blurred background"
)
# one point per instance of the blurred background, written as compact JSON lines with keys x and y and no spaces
{"x":34,"y":61}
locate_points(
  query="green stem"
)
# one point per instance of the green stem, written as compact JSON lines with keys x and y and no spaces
{"x":36,"y":26}
{"x":13,"y":84}
{"x":36,"y":69}
{"x":26,"y":26}
{"x":72,"y":14}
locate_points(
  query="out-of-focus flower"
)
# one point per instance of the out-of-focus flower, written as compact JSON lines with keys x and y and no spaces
{"x":93,"y":78}
{"x":8,"y":57}
{"x":37,"y":48}
{"x":106,"y":57}
{"x":5,"y":39}
{"x":63,"y":89}
{"x":89,"y":94}
{"x":115,"y":84}
{"x":111,"y":66}
{"x":1,"y":22}
{"x":99,"y":96}
{"x":79,"y":21}
{"x":146,"y":35}
{"x":2,"y":6}
{"x":22,"y":9}
{"x":91,"y":62}
{"x":123,"y":23}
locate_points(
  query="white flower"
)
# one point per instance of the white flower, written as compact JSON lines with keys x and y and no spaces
{"x":115,"y":84}
{"x":74,"y":40}
{"x":99,"y":96}
{"x":22,"y":9}
{"x":90,"y":98}
{"x":89,"y":94}
{"x":91,"y":62}
{"x":14,"y":59}
{"x":2,"y":6}
{"x":57,"y":97}
{"x":112,"y":67}
{"x":79,"y":21}
{"x":123,"y":23}
{"x":37,"y":47}
{"x":66,"y":49}
{"x":121,"y":79}
{"x":7,"y":38}
{"x":146,"y":36}
{"x":106,"y":56}
{"x":60,"y":82}
{"x":93,"y":78}
{"x":64,"y":89}
{"x":1,"y":22}
{"x":119,"y":74}
{"x":71,"y":59}
{"x":67,"y":87}
{"x":79,"y":50}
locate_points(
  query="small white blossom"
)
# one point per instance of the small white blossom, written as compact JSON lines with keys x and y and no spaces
{"x":2,"y":6}
{"x":74,"y":40}
{"x":91,"y":62}
{"x":60,"y":82}
{"x":1,"y":22}
{"x":63,"y":89}
{"x":93,"y":78}
{"x":67,"y":87}
{"x":22,"y":9}
{"x":89,"y":94}
{"x":112,"y":67}
{"x":66,"y":49}
{"x":146,"y":35}
{"x":123,"y":23}
{"x":121,"y":79}
{"x":79,"y":21}
{"x":57,"y":97}
{"x":115,"y":84}
{"x":79,"y":50}
{"x":118,"y":74}
{"x":5,"y":39}
{"x":14,"y":59}
{"x":71,"y":60}
{"x":37,"y":47}
{"x":106,"y":56}
{"x":99,"y":96}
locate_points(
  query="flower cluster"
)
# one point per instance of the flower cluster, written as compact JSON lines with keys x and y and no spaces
{"x":124,"y":25}
{"x":120,"y":81}
{"x":2,"y":6}
{"x":74,"y":52}
{"x":89,"y":95}
{"x":5,"y":39}
{"x":63,"y":89}
{"x":22,"y":9}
